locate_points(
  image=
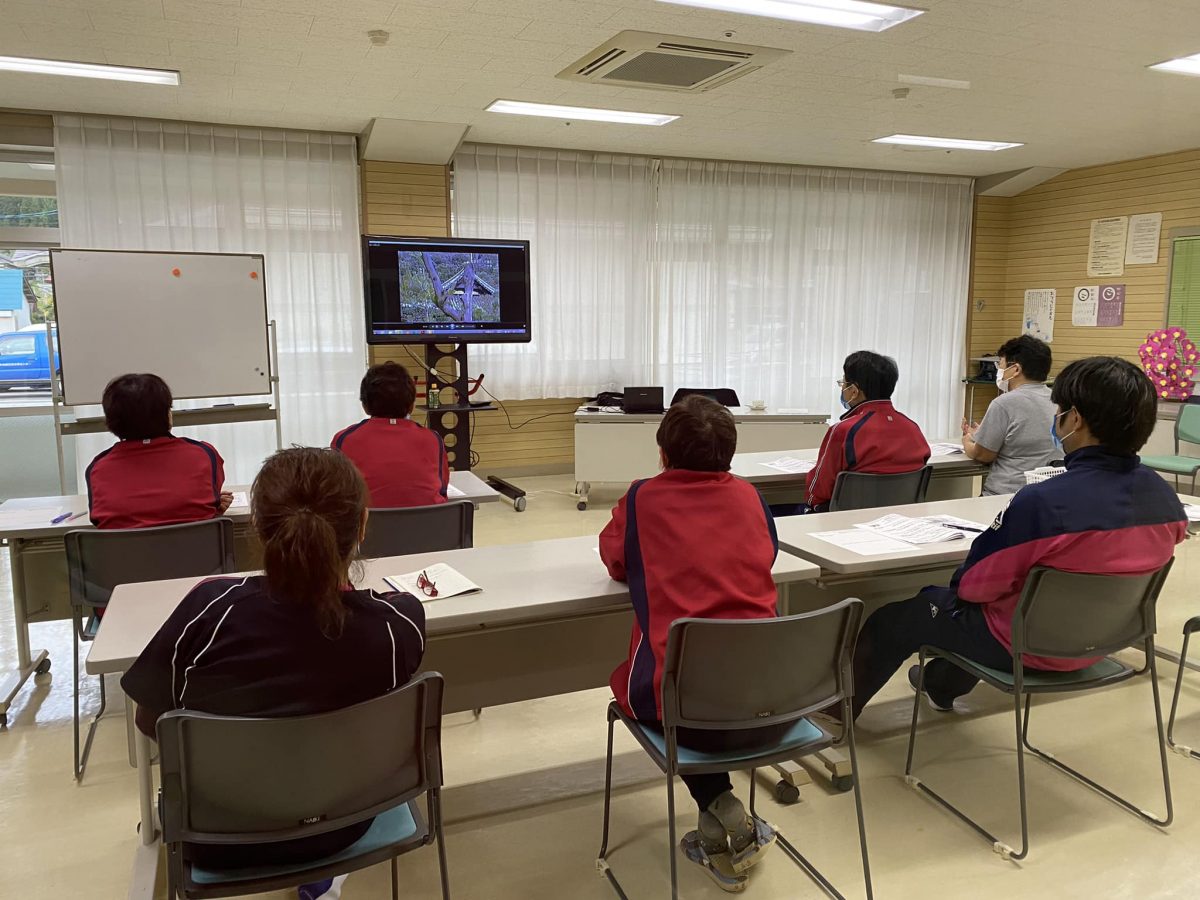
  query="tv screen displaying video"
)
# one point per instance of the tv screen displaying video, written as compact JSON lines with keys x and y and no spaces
{"x":441,"y":290}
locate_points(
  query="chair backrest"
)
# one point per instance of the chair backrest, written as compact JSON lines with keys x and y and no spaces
{"x":99,"y":560}
{"x":1187,"y":426}
{"x":732,"y":674}
{"x":233,"y":780}
{"x":1072,"y":615}
{"x":724,"y":396}
{"x":861,"y":490}
{"x":419,"y":529}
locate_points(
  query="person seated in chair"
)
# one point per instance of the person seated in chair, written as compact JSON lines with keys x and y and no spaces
{"x":1013,"y":437}
{"x":150,"y":477}
{"x":403,"y":463}
{"x":1106,"y":514}
{"x":694,"y":541}
{"x":871,"y":435}
{"x":297,"y":640}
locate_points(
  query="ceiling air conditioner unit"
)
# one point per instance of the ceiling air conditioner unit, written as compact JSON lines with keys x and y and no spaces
{"x":668,"y":62}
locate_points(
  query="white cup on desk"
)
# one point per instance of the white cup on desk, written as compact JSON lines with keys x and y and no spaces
{"x":758,"y":405}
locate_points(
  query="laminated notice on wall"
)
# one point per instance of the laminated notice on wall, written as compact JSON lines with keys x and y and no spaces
{"x":1039,"y":313}
{"x":1085,"y":306}
{"x":1106,"y":249}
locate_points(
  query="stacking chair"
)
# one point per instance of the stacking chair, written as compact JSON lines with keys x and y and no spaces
{"x":1066,"y":616}
{"x":419,"y":529}
{"x":805,"y":664}
{"x":1191,"y":626}
{"x":1187,"y":428}
{"x":861,"y":490}
{"x":99,"y":561}
{"x":724,"y":396}
{"x":236,"y":781}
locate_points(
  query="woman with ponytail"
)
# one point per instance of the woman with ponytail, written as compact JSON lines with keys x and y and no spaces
{"x":297,"y":640}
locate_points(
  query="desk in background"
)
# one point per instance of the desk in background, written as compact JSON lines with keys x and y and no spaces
{"x":953,"y":476}
{"x":39,"y":567}
{"x":618,"y":448}
{"x":549,"y":621}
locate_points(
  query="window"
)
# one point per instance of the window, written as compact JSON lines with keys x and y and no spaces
{"x":1183,"y":288}
{"x":28,"y":212}
{"x":18,"y":345}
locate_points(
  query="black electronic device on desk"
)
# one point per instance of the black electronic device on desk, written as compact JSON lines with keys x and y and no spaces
{"x":644,"y":401}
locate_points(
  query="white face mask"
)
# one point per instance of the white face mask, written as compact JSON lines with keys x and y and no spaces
{"x":1001,"y":381}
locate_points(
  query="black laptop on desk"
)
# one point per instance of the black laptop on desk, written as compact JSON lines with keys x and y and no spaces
{"x":644,"y":401}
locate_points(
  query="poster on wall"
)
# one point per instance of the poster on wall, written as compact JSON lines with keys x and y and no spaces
{"x":1085,"y":306}
{"x":1141,"y":247}
{"x":1106,"y":248}
{"x":1039,"y":313}
{"x":1111,"y":306}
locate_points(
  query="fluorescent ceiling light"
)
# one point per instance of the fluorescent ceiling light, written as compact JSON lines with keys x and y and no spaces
{"x":951,"y":83}
{"x":1186,"y":65}
{"x":916,"y":140}
{"x":87,"y":70}
{"x":579,"y":113}
{"x":43,"y":166}
{"x":856,"y":14}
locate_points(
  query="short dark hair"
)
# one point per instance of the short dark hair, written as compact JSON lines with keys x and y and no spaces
{"x":698,"y":434}
{"x":387,"y":390}
{"x":137,"y":407}
{"x":1031,"y":354}
{"x":1113,"y":396}
{"x":874,"y":374}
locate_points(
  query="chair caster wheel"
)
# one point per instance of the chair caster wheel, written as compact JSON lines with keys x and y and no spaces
{"x":519,"y":504}
{"x":843,"y":783}
{"x":787,"y":793}
{"x":43,"y":667}
{"x":581,"y":505}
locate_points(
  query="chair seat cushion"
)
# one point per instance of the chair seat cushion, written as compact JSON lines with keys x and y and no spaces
{"x":801,"y":732}
{"x":396,"y":826}
{"x":1183,"y":465}
{"x":1105,"y":669}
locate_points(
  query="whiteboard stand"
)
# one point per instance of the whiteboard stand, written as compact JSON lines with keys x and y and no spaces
{"x":213,"y":415}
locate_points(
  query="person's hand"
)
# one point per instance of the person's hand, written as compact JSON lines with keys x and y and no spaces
{"x":966,"y":426}
{"x":226,"y":499}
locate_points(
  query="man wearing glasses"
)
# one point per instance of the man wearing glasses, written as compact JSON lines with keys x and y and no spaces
{"x":871,"y":435}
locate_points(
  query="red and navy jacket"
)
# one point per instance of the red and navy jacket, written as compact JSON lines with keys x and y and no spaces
{"x":403,"y":463}
{"x":1107,"y":515}
{"x":160,"y":481}
{"x":872,"y":437}
{"x":690,"y":545}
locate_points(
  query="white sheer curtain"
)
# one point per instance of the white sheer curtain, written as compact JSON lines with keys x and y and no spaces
{"x":589,"y":218}
{"x":132,"y":184}
{"x":756,"y":277}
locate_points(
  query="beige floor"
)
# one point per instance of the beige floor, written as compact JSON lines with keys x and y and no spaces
{"x":542,"y":764}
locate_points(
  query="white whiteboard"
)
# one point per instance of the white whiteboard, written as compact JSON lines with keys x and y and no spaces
{"x":198,"y":320}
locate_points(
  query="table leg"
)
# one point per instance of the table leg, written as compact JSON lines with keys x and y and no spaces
{"x":145,"y":860}
{"x":27,"y":663}
{"x":582,"y":488}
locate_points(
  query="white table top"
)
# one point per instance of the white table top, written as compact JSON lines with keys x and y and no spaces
{"x":741,"y":414}
{"x":536,"y":582}
{"x":750,"y":466}
{"x":472,"y":486}
{"x":795,"y":536}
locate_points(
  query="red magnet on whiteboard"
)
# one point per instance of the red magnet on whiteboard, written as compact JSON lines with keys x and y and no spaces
{"x":253,"y":274}
{"x":176,"y":272}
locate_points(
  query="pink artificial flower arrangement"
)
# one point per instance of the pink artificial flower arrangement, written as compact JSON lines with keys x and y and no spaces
{"x":1171,"y":361}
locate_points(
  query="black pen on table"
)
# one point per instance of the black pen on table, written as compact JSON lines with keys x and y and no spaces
{"x":962,"y":528}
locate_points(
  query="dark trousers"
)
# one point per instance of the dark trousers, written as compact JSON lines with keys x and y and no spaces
{"x":707,"y":788}
{"x":894,"y":633}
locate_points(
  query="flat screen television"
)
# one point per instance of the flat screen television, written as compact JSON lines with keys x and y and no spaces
{"x":446,"y":290}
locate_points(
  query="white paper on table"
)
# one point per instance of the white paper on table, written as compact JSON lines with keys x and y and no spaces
{"x":944,"y":449}
{"x":449,"y":583}
{"x":791,"y":465}
{"x":29,"y":518}
{"x":452,"y":491}
{"x":240,"y":499}
{"x":1193,"y":512}
{"x":863,"y":542}
{"x":912,"y":530}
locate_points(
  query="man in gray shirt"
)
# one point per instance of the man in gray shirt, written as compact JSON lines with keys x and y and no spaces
{"x":1014,"y":435}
